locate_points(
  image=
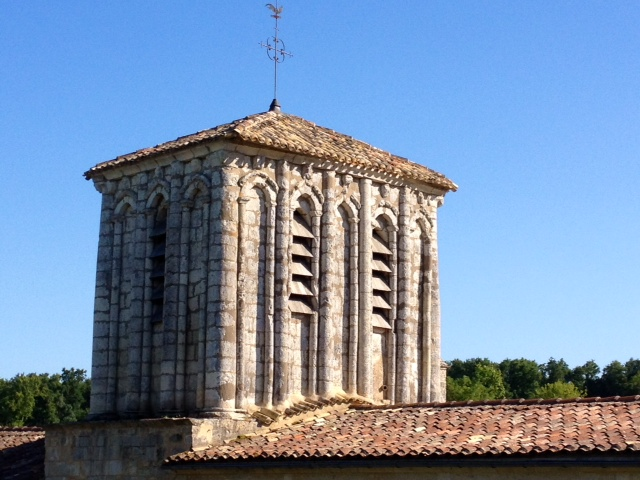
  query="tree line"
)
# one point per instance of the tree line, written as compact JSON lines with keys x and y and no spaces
{"x":482,"y":379}
{"x":43,"y":399}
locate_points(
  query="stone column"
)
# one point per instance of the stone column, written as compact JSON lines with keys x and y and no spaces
{"x":146,"y":384}
{"x":220,"y":364}
{"x":282,"y":318}
{"x":327,"y":329}
{"x":365,"y":368}
{"x":241,"y":312}
{"x":393,"y":246}
{"x":314,"y":326}
{"x":101,"y":316}
{"x":170,"y":376}
{"x":183,"y":298}
{"x":269,"y":327}
{"x":353,"y":307}
{"x":434,"y":320}
{"x":201,"y":368}
{"x":114,"y":314}
{"x":135,"y":327}
{"x":404,"y":321}
{"x":425,"y":318}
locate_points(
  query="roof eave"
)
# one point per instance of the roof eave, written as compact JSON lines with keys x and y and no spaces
{"x":560,"y":460}
{"x":232,"y":137}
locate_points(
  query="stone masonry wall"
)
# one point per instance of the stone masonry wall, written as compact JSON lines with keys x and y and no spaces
{"x":130,"y":449}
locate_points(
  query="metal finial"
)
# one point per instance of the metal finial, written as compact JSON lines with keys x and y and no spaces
{"x":276,"y":53}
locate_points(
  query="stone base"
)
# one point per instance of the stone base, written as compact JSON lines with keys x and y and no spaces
{"x":131,"y":448}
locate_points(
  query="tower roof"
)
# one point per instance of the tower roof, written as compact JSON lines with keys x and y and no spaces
{"x":290,"y":134}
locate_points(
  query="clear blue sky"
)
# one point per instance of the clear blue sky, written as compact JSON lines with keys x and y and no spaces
{"x":531,"y":107}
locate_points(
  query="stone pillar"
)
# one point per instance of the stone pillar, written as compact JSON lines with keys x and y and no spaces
{"x":241,"y":312}
{"x":135,"y":326}
{"x":353,"y":307}
{"x":114,"y":314}
{"x":201,"y":368}
{"x":365,"y":367}
{"x":101,"y":317}
{"x":282,"y":314}
{"x":269,"y":327}
{"x":146,"y":384}
{"x":314,"y":326}
{"x":392,"y":366}
{"x":404,"y":321}
{"x":183,"y":298}
{"x":434,"y":319}
{"x":170,"y":376}
{"x":327,"y":351}
{"x":220,"y":364}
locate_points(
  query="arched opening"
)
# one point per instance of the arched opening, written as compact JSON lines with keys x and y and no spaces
{"x":158,"y":238}
{"x":343,"y":292}
{"x":302,"y":298}
{"x":382,"y":291}
{"x":253,"y":275}
{"x":156,"y":299}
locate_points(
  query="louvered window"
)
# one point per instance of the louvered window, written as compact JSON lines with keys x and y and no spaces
{"x":301,"y":295}
{"x":158,"y":238}
{"x":381,"y":278}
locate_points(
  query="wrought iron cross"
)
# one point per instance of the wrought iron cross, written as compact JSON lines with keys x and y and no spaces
{"x":276,"y":53}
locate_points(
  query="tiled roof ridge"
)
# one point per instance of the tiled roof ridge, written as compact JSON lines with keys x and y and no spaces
{"x":320,"y":142}
{"x":261,"y":117}
{"x":21,"y":429}
{"x":227,"y":130}
{"x":501,"y":402}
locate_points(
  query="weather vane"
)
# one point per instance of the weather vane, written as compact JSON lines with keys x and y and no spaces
{"x":276,"y":53}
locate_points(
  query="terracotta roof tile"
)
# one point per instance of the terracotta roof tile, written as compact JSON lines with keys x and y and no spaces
{"x":21,"y":453}
{"x":291,"y":134}
{"x":455,"y":429}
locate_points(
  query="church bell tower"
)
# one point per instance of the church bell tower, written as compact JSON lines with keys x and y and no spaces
{"x":263,"y":262}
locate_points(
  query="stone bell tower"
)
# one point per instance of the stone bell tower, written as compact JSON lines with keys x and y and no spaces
{"x":262,"y":262}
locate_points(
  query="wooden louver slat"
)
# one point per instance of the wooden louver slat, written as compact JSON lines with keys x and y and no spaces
{"x":299,"y":229}
{"x":380,"y":266}
{"x":378,"y":247}
{"x":379,"y":284}
{"x":299,"y":249}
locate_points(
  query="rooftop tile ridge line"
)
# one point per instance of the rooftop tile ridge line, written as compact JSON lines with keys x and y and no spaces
{"x":21,"y":429}
{"x":170,"y":145}
{"x":240,"y":129}
{"x":268,"y":115}
{"x":506,"y":401}
{"x":252,"y":121}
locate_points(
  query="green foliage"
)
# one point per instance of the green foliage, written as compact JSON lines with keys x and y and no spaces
{"x":555,"y":371}
{"x":43,"y":399}
{"x":484,"y":384}
{"x":461,"y":368}
{"x":522,"y":377}
{"x":618,"y":379}
{"x":558,"y":389}
{"x":584,"y":376}
{"x":473,"y":379}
